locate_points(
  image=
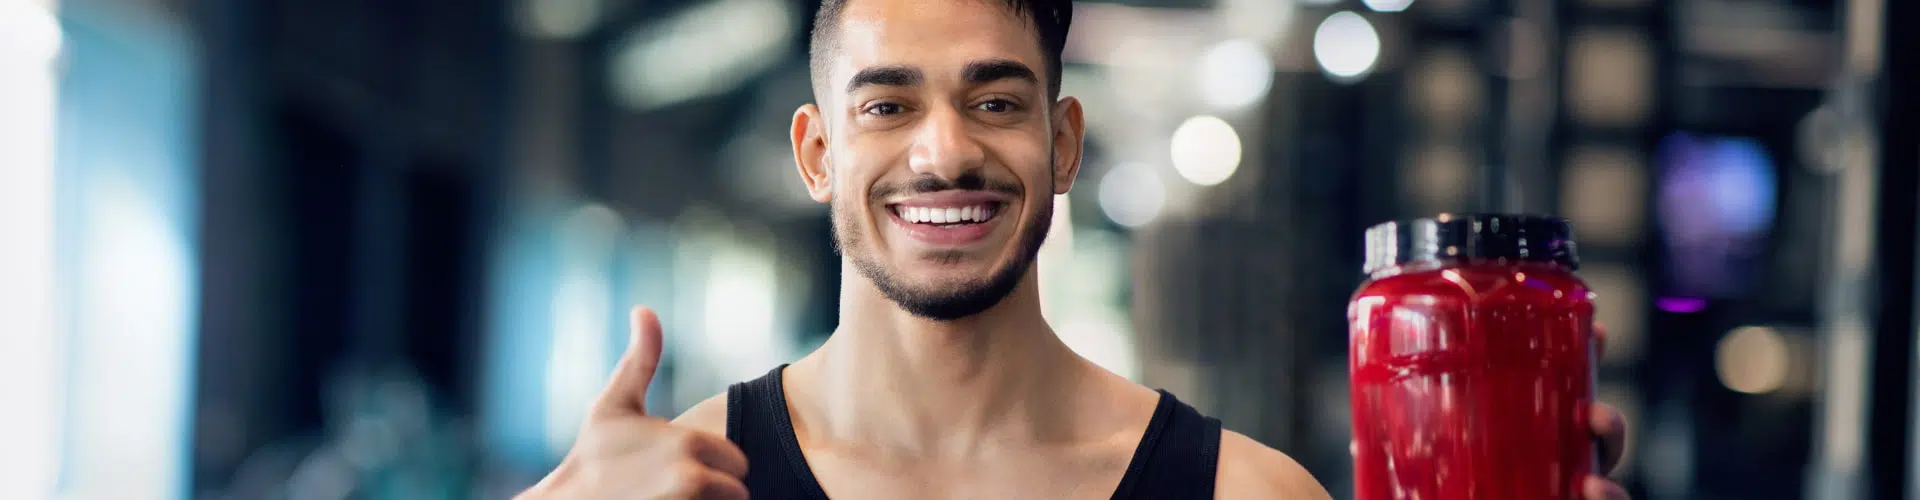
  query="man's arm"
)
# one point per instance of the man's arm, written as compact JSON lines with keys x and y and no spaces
{"x":1249,"y":469}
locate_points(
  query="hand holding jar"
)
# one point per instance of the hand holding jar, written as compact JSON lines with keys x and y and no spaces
{"x":1472,"y":357}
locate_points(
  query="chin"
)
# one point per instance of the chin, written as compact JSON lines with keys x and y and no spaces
{"x":945,"y":281}
{"x":942,"y":284}
{"x":946,"y":293}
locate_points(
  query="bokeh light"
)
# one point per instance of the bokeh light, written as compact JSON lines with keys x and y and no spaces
{"x":1132,"y":194}
{"x":1206,"y":150}
{"x":1388,"y":5}
{"x":1346,"y":46}
{"x":1235,"y":74}
{"x":1753,"y":360}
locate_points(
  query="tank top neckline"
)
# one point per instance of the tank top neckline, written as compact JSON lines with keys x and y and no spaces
{"x":766,"y":396}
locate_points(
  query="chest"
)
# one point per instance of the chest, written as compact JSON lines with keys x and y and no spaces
{"x":1090,"y":472}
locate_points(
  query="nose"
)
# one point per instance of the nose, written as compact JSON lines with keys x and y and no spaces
{"x":944,"y":148}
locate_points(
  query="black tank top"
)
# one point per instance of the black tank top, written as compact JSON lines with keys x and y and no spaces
{"x":1176,"y":458}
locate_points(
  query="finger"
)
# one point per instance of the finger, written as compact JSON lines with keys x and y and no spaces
{"x":1612,"y":431}
{"x":720,"y":454}
{"x":1599,"y":339}
{"x":718,"y":485}
{"x":1598,"y":488}
{"x":626,"y":390}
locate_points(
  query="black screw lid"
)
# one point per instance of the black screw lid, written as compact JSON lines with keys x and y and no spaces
{"x":1535,"y":238}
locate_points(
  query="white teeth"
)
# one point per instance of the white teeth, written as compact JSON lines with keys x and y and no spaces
{"x":951,"y":215}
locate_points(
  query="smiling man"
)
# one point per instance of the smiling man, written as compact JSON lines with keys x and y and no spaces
{"x":939,"y":140}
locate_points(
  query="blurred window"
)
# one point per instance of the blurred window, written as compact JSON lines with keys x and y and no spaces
{"x":100,"y":184}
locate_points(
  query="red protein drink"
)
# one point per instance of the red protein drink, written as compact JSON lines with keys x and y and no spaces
{"x":1471,"y":359}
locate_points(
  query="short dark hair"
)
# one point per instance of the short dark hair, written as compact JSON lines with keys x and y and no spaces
{"x":1050,"y":19}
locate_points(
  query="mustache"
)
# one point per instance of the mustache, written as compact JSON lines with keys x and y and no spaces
{"x":969,"y":181}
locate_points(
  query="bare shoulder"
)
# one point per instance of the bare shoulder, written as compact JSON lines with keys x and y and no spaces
{"x":1249,"y":469}
{"x":709,"y":415}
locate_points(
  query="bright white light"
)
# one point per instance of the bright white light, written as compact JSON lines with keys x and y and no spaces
{"x":559,"y":19}
{"x":1132,"y":195}
{"x":576,"y":356}
{"x":1235,"y":74}
{"x":1105,"y":342}
{"x":1055,"y":253}
{"x":741,"y":300}
{"x":132,"y":339}
{"x":577,"y":359}
{"x":703,"y":51}
{"x":28,"y":34}
{"x":1346,"y":46}
{"x":1753,"y":360}
{"x":31,"y":353}
{"x":1206,"y":150}
{"x":1388,"y":5}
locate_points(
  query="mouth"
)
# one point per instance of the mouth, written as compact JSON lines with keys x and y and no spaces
{"x":947,"y":216}
{"x":949,"y":219}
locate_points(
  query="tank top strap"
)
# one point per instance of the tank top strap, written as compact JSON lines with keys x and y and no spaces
{"x":758,"y":422}
{"x":1177,"y":457}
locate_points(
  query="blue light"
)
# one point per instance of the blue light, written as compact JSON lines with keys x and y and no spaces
{"x":127,"y":217}
{"x":1716,"y":206}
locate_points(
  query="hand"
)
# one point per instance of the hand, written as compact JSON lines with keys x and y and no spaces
{"x":1612,"y":431}
{"x":1611,"y":428}
{"x":624,"y":453}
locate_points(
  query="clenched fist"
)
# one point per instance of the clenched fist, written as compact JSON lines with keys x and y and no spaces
{"x":624,"y":453}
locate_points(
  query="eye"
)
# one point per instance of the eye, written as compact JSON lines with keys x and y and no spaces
{"x":885,"y":109}
{"x":997,"y":106}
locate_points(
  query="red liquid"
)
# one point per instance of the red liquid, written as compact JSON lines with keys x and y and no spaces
{"x":1472,"y":381}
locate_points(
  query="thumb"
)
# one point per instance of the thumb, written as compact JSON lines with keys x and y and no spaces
{"x":626,"y":391}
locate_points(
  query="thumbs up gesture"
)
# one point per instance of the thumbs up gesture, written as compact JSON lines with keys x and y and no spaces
{"x":623,"y":452}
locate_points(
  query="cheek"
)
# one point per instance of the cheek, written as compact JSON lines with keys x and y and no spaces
{"x":851,"y":212}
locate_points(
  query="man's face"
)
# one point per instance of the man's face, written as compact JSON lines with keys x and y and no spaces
{"x":941,"y":151}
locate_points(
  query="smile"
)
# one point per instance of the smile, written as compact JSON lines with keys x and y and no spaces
{"x":972,"y":214}
{"x":949,"y":219}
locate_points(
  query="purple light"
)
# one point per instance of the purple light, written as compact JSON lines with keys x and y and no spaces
{"x":1681,"y":304}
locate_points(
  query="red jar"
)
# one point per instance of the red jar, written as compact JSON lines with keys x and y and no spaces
{"x":1471,"y":361}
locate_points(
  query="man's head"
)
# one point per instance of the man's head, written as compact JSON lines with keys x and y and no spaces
{"x":939,"y":140}
{"x":1049,"y":21}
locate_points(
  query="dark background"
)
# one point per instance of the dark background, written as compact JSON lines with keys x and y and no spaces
{"x":412,"y":227}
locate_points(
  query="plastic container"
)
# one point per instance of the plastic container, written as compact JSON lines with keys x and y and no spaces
{"x":1471,"y":361}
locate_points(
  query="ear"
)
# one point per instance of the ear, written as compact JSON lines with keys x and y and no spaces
{"x":1069,"y":143}
{"x":809,"y":136}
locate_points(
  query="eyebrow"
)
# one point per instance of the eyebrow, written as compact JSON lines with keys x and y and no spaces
{"x":890,"y":76}
{"x":996,"y":70}
{"x":976,"y":72}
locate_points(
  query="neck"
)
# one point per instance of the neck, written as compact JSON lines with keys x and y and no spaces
{"x":923,"y":386}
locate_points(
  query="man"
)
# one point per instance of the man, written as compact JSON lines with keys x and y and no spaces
{"x":939,"y":141}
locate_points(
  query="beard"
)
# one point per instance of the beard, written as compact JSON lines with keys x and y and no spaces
{"x":942,"y":301}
